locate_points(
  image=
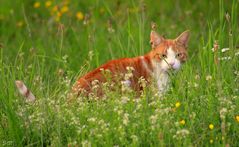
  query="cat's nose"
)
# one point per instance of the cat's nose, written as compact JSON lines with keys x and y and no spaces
{"x":171,"y":63}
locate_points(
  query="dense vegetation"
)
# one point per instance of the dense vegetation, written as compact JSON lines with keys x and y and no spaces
{"x":49,"y":43}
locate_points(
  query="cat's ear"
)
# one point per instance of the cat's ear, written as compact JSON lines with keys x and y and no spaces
{"x":155,"y":39}
{"x":183,"y":38}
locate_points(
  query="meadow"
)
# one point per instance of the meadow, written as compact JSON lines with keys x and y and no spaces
{"x":49,"y":43}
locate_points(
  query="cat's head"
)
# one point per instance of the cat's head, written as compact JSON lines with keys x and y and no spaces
{"x":169,"y":53}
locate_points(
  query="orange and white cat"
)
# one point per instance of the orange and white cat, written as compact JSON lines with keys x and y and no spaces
{"x":165,"y":55}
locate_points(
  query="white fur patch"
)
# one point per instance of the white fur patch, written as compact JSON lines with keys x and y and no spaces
{"x":161,"y":77}
{"x":160,"y":69}
{"x":170,"y":61}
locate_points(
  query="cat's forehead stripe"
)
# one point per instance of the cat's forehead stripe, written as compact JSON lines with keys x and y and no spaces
{"x":170,"y":51}
{"x":169,"y":42}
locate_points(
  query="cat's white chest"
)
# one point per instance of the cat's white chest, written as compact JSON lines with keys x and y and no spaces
{"x":162,"y":82}
{"x":158,"y":74}
{"x":161,"y":78}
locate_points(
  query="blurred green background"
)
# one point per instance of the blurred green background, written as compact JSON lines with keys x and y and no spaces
{"x":110,"y":29}
{"x":49,"y":43}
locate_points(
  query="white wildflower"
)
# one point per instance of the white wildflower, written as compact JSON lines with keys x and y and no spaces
{"x":142,"y":82}
{"x":126,"y":83}
{"x":95,"y":82}
{"x":65,"y":57}
{"x":119,"y":112}
{"x":129,"y":68}
{"x":223,"y":112}
{"x":86,"y":143}
{"x":166,"y":110}
{"x":181,"y":133}
{"x":128,"y":76}
{"x":208,"y":77}
{"x":193,"y":115}
{"x":134,"y":138}
{"x":92,"y":119}
{"x":153,"y":119}
{"x":177,"y":124}
{"x":102,"y":69}
{"x":225,"y":49}
{"x":195,"y":85}
{"x":197,"y":76}
{"x":138,"y":106}
{"x":225,"y":58}
{"x":90,"y":55}
{"x":237,"y":54}
{"x":213,"y":50}
{"x":236,"y":73}
{"x":124,"y":99}
{"x":126,"y":119}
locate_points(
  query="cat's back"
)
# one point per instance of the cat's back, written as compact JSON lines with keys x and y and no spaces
{"x":113,"y":66}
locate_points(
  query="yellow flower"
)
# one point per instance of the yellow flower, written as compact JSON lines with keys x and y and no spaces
{"x":211,"y":126}
{"x":64,"y":9}
{"x":182,"y":122}
{"x":79,"y":15}
{"x":177,"y":104}
{"x":55,"y":8}
{"x":36,"y":4}
{"x":48,"y":3}
{"x":211,"y":141}
{"x":19,"y":24}
{"x":58,"y":14}
{"x":237,"y":118}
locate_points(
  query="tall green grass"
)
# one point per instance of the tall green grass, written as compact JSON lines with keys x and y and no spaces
{"x":49,"y":56}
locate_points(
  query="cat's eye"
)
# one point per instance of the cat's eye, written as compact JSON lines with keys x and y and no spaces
{"x":179,"y":55}
{"x":164,"y":55}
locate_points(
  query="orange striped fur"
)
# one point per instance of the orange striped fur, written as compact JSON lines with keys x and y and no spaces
{"x":148,"y":66}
